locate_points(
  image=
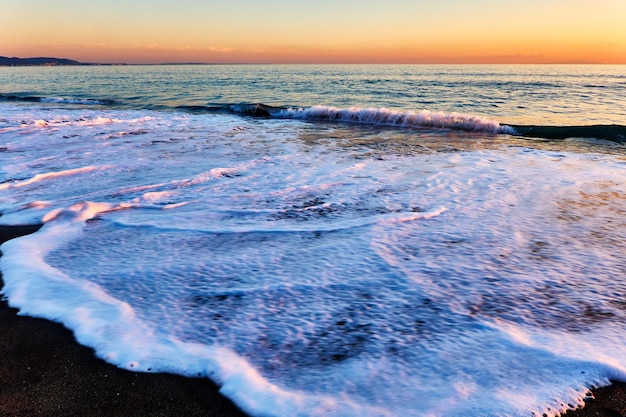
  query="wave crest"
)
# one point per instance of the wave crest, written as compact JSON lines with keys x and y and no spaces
{"x":72,"y":100}
{"x":378,"y":116}
{"x":388,"y":117}
{"x":57,"y":100}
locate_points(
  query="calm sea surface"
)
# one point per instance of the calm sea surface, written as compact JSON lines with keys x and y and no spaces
{"x":328,"y":240}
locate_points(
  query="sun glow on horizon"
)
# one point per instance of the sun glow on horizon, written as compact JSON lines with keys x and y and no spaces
{"x":325,"y":31}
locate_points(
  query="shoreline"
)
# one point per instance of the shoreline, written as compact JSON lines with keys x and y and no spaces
{"x":45,"y":372}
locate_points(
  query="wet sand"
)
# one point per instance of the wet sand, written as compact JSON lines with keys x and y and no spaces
{"x":44,"y":372}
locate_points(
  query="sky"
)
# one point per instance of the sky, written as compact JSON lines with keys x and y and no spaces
{"x":316,"y":31}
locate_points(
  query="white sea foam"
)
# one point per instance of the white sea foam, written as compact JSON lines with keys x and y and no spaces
{"x":99,"y":120}
{"x":52,"y":175}
{"x":70,"y":100}
{"x":311,"y":276}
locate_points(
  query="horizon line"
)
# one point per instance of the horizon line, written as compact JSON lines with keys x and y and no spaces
{"x":54,"y":61}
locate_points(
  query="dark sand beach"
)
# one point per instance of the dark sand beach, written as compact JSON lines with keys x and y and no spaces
{"x":44,"y":372}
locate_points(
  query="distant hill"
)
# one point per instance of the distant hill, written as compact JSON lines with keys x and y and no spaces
{"x":14,"y":62}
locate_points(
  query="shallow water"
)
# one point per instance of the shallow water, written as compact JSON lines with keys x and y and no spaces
{"x":324,"y":267}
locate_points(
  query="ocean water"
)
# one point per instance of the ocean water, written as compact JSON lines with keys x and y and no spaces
{"x":328,"y":240}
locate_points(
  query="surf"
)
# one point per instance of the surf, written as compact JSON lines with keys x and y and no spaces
{"x":397,"y":118}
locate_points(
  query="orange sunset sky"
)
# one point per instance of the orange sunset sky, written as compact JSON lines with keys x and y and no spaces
{"x":316,"y":31}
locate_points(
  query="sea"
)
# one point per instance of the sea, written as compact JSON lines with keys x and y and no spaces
{"x":328,"y":240}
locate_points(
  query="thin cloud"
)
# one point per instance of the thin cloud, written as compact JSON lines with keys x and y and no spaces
{"x":222,"y":49}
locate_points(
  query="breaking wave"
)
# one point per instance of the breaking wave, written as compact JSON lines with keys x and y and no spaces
{"x":57,"y":100}
{"x":379,"y":116}
{"x":419,"y":119}
{"x":368,"y":116}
